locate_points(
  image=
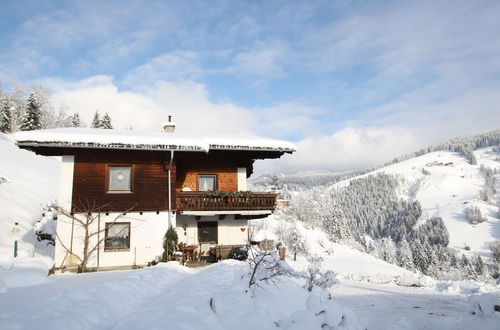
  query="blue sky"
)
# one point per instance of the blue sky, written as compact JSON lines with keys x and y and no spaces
{"x":353,"y":83}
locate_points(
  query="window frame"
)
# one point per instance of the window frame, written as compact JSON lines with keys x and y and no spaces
{"x":206,"y":175}
{"x":106,"y":230}
{"x":208,"y":224}
{"x":108,"y":179}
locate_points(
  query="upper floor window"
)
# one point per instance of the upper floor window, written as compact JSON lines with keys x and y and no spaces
{"x":120,"y":178}
{"x":206,"y":182}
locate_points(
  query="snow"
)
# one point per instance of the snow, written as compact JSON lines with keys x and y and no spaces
{"x":371,"y":293}
{"x":447,"y":190}
{"x":30,"y":182}
{"x":129,"y":139}
{"x":263,"y":235}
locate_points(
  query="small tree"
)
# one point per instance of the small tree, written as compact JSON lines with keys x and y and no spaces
{"x":75,"y":120}
{"x":315,"y":276}
{"x":32,"y":118}
{"x":266,"y":267}
{"x":106,"y":122}
{"x":169,"y":243}
{"x":96,"y":121}
{"x":473,"y":213}
{"x":5,"y":116}
{"x":296,"y":242}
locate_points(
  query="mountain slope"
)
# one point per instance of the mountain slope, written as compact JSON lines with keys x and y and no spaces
{"x":446,"y":184}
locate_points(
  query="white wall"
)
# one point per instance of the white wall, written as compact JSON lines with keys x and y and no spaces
{"x":242,"y":179}
{"x":229,"y":229}
{"x":146,"y":239}
{"x":64,"y":201}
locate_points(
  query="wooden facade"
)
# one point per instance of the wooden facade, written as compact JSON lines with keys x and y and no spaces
{"x":149,"y":183}
{"x":149,"y":186}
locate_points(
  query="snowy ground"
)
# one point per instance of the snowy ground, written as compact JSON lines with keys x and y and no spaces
{"x":175,"y":297}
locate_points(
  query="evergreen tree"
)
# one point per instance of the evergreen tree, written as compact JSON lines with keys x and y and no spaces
{"x":169,"y":243}
{"x":404,"y":256}
{"x":478,"y":264}
{"x":419,"y":256}
{"x":32,"y":118}
{"x":468,"y":268}
{"x":5,"y":116}
{"x":106,"y":122}
{"x":96,"y":122}
{"x":75,"y":120}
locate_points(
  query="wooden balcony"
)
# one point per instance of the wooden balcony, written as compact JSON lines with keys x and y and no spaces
{"x":201,"y":201}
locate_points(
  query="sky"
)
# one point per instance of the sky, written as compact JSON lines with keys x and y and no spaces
{"x":352,"y":83}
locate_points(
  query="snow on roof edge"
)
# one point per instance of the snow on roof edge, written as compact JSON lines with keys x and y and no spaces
{"x":137,"y":140}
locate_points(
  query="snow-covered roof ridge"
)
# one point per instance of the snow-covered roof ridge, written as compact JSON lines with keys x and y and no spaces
{"x":130,"y":139}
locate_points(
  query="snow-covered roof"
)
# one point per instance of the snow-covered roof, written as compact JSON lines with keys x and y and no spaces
{"x":129,"y":139}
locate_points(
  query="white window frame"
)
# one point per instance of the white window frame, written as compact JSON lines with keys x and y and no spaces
{"x":125,"y":190}
{"x":200,"y":176}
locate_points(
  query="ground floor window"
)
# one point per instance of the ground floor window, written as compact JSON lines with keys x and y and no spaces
{"x":207,"y":232}
{"x":117,"y":236}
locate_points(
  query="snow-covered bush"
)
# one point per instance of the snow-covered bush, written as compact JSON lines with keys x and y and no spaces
{"x":266,"y":267}
{"x":474,"y":215}
{"x":488,"y":192}
{"x":315,"y":276}
{"x":495,"y":251}
{"x":45,"y":228}
{"x":322,"y":312}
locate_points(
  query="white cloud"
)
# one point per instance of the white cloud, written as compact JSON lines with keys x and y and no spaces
{"x":177,"y":65}
{"x":348,"y":149}
{"x":263,"y":59}
{"x":187,"y":101}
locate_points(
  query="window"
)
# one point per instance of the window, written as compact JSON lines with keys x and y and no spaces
{"x":120,"y":178}
{"x":206,"y":182}
{"x":207,"y":232}
{"x":117,"y":236}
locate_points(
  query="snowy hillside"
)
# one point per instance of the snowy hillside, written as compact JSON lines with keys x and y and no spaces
{"x":445,"y":184}
{"x":27,"y":183}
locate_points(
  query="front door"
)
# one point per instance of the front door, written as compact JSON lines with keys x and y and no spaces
{"x":207,"y":232}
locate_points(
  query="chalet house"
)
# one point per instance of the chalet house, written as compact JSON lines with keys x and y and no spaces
{"x":137,"y":184}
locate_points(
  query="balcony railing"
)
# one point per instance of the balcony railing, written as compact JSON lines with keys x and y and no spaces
{"x":201,"y":201}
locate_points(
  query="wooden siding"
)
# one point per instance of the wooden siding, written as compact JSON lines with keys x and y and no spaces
{"x":223,"y":164}
{"x":149,"y":191}
{"x":226,"y":178}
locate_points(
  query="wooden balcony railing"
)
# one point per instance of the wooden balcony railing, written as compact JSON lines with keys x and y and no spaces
{"x":200,"y":201}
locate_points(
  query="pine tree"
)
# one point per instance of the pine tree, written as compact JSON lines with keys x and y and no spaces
{"x":106,"y":122}
{"x":5,"y":116}
{"x":478,"y":264}
{"x":169,"y":243}
{"x":32,"y":118}
{"x":419,"y":256}
{"x":404,"y":256}
{"x":96,"y":122}
{"x":75,"y":120}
